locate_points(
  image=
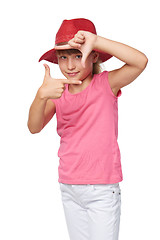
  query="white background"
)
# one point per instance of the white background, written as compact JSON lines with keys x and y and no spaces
{"x":30,"y":200}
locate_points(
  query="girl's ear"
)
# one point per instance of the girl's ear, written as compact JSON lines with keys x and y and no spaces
{"x":95,"y":57}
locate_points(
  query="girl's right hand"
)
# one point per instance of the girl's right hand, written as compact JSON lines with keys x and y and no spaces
{"x":83,"y":41}
{"x":53,"y":88}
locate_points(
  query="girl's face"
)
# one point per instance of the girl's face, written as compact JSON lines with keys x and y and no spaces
{"x":70,"y":64}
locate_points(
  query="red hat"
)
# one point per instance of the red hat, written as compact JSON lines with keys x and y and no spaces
{"x":66,"y":32}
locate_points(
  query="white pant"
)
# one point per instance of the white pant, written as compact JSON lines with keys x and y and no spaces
{"x":92,"y":211}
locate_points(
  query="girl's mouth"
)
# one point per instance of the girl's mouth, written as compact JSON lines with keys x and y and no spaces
{"x":73,"y":74}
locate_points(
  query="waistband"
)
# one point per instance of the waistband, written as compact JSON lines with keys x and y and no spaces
{"x":82,"y":185}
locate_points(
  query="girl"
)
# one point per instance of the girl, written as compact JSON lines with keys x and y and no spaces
{"x":86,"y":107}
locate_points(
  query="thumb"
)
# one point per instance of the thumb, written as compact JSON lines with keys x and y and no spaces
{"x":83,"y":61}
{"x":47,"y":70}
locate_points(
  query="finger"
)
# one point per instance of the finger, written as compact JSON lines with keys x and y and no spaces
{"x":47,"y":70}
{"x":71,"y":81}
{"x":85,"y":55}
{"x":83,"y":63}
{"x":83,"y":60}
{"x":80,"y":37}
{"x":78,"y":40}
{"x":73,"y":44}
{"x":62,"y":47}
{"x":80,"y":34}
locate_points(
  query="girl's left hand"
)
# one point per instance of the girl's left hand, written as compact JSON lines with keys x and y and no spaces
{"x":83,"y":41}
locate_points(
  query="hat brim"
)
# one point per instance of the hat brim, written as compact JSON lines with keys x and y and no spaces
{"x":50,"y":56}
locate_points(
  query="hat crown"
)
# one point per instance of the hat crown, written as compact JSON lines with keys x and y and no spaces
{"x":69,"y":28}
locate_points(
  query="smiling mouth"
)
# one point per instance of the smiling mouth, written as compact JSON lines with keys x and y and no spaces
{"x":72,"y":74}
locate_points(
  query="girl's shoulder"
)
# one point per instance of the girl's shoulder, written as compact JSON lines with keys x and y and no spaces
{"x":102,"y":74}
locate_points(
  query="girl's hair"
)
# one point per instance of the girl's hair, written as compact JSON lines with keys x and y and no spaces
{"x":96,"y":66}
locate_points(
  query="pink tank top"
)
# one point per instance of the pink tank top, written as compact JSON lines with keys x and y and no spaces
{"x":87,"y":123}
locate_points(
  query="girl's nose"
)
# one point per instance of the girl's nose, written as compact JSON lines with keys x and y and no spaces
{"x":71,"y":64}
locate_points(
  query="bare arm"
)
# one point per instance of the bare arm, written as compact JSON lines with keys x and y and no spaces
{"x":135,"y":61}
{"x":125,"y":53}
{"x":42,"y":108}
{"x":40,"y":113}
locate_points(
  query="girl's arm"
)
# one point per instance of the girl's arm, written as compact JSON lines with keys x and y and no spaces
{"x":40,"y":113}
{"x":125,"y":53}
{"x":42,"y":108}
{"x":135,"y":62}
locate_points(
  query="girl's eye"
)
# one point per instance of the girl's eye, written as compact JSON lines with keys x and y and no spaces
{"x":63,"y":57}
{"x":78,"y":56}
